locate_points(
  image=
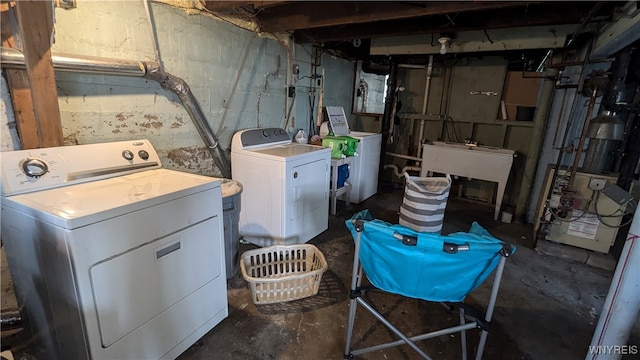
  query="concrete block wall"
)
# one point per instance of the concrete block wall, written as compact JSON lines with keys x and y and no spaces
{"x":238,"y":78}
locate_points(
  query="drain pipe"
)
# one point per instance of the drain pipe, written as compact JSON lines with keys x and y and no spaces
{"x":425,"y":100}
{"x":10,"y":57}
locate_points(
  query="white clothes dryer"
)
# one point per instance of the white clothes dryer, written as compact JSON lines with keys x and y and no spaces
{"x":286,"y":187}
{"x":111,"y":256}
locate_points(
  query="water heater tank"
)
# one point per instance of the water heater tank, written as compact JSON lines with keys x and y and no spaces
{"x":604,"y":132}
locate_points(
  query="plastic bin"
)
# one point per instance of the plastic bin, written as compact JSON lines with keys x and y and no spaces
{"x":283,"y":272}
{"x":231,"y":192}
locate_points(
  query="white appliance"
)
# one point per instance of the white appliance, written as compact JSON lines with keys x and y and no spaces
{"x":365,"y":167}
{"x":364,"y":170}
{"x":286,"y":187}
{"x":589,"y":225}
{"x":111,"y":256}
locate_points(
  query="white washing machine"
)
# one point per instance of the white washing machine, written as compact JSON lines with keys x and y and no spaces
{"x":112,"y":256}
{"x":286,"y":187}
{"x":366,"y":165}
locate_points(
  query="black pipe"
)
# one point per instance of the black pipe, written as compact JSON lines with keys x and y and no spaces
{"x":389,"y":100}
{"x":631,"y":152}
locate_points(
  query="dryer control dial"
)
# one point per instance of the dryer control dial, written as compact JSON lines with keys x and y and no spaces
{"x":127,"y":154}
{"x":34,"y":168}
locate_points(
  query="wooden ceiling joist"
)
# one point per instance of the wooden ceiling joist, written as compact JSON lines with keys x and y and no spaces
{"x":481,"y":20}
{"x":309,"y":15}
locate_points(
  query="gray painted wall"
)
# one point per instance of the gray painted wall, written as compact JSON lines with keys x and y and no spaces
{"x":238,"y":78}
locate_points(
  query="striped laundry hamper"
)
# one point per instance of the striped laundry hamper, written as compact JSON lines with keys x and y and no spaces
{"x":425,"y":199}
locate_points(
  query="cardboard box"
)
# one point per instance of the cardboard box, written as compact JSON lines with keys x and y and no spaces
{"x":520,"y":89}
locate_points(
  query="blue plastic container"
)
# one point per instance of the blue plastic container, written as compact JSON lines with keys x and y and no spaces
{"x":343,"y":174}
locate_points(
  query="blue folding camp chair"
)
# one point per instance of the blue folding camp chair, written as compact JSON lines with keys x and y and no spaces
{"x":427,"y":266}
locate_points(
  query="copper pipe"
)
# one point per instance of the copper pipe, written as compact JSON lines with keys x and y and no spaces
{"x":576,"y":159}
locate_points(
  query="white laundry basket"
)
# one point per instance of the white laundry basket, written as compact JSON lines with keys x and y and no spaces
{"x":424,"y":202}
{"x":283,"y":272}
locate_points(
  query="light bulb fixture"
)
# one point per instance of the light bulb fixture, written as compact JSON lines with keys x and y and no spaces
{"x":444,"y":42}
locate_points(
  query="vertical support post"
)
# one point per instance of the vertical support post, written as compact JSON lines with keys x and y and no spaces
{"x":386,"y":118}
{"x":35,"y":21}
{"x":622,"y":305}
{"x":18,"y":82}
{"x":537,"y":137}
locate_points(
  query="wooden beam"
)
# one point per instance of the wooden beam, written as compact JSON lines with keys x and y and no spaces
{"x":218,"y":5}
{"x":616,"y":35}
{"x":538,"y":37}
{"x":315,"y":14}
{"x":19,"y":88}
{"x":35,"y":22}
{"x":567,"y":13}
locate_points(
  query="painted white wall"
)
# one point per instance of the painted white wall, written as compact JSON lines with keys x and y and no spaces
{"x":238,"y":78}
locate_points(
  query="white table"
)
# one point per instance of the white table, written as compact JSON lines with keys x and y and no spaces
{"x":334,"y":191}
{"x":480,"y":162}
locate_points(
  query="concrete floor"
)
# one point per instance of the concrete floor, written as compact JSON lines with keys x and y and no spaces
{"x":547,"y":307}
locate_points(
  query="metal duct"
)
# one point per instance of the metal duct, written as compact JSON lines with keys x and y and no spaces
{"x":10,"y":57}
{"x":180,"y":88}
{"x":604,"y":133}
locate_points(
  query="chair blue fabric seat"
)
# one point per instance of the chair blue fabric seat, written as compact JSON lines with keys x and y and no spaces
{"x":423,"y":265}
{"x":424,"y":270}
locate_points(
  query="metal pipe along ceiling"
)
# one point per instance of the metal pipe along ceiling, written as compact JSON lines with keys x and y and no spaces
{"x":10,"y":57}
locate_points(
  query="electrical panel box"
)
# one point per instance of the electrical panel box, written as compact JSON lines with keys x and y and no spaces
{"x":593,"y":221}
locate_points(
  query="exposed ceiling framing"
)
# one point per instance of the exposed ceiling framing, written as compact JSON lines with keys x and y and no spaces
{"x":335,"y":23}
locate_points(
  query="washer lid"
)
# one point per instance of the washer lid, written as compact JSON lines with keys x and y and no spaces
{"x":78,"y":205}
{"x":289,"y":151}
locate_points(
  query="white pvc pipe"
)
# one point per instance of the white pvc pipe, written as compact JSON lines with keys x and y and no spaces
{"x":622,"y":305}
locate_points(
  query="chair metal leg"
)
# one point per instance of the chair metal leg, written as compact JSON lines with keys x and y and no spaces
{"x":352,"y":317}
{"x":463,"y":335}
{"x":492,"y":302}
{"x":395,"y":330}
{"x":475,"y":317}
{"x":356,"y":275}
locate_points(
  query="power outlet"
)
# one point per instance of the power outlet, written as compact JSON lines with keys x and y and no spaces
{"x":597,"y":184}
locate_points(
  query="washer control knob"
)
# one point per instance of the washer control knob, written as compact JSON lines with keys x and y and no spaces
{"x":265,"y":133}
{"x":127,"y":154}
{"x":34,"y":167}
{"x":144,"y":155}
